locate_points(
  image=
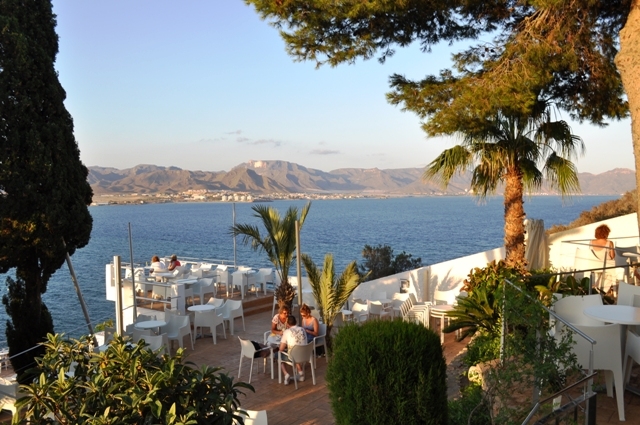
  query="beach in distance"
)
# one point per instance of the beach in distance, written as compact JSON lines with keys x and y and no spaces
{"x":435,"y":229}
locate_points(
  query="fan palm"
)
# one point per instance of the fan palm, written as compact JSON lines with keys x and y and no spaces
{"x":331,"y":293}
{"x":278,"y":242}
{"x":509,"y":149}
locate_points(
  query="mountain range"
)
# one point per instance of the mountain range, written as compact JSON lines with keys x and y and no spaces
{"x":267,"y":177}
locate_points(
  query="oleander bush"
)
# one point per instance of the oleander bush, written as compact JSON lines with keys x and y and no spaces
{"x":384,"y":372}
{"x":125,"y":384}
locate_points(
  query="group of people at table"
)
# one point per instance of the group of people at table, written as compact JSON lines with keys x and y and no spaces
{"x":285,"y":328}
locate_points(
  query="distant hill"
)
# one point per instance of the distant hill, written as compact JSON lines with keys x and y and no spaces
{"x":264,"y":177}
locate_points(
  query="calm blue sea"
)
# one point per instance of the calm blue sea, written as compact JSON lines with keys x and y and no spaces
{"x":433,"y":228}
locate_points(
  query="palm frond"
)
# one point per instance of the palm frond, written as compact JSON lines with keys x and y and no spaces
{"x":455,"y":160}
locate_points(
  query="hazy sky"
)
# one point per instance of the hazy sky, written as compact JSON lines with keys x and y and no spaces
{"x":206,"y":85}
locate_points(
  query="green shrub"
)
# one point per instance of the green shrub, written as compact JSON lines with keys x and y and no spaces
{"x":125,"y":384}
{"x":470,"y":409}
{"x":387,"y":372}
{"x":482,"y":348}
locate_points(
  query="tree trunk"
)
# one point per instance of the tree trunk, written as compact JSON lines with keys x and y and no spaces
{"x":628,"y":63}
{"x":514,"y":218}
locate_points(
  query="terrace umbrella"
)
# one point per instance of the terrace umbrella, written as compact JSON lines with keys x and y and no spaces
{"x":536,"y":244}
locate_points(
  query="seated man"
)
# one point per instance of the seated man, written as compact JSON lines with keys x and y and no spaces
{"x":292,"y":336}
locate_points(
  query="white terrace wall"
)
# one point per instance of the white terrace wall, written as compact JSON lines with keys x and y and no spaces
{"x":424,"y":281}
{"x":562,"y":245}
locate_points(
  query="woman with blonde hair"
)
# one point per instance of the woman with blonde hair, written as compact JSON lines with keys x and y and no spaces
{"x":279,"y":321}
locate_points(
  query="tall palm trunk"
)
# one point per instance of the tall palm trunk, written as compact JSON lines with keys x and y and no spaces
{"x":628,"y":64}
{"x":514,"y":217}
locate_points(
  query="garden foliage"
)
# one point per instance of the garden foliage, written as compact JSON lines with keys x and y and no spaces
{"x":386,"y":372}
{"x":125,"y":384}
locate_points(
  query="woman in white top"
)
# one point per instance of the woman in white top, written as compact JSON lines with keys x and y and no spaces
{"x":601,"y":246}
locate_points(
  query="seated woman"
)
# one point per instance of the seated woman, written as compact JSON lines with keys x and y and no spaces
{"x":174,"y":262}
{"x":601,"y":246}
{"x":279,"y":321}
{"x":309,"y":323}
{"x":157,"y":266}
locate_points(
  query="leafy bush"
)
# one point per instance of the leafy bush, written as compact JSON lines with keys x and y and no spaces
{"x":127,"y":383}
{"x":387,"y":372}
{"x":482,"y":348}
{"x":470,"y":409}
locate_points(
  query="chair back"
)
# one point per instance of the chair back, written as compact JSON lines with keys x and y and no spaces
{"x":216,"y":302}
{"x":246,"y":348}
{"x":322,"y":330}
{"x":571,"y":309}
{"x":359,"y":308}
{"x":157,"y":342}
{"x":301,"y":353}
{"x":628,"y":294}
{"x":375,"y":309}
{"x":139,"y":334}
{"x":255,"y":417}
{"x":400,"y":296}
{"x":207,"y":318}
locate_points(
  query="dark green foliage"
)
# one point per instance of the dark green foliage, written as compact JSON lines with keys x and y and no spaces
{"x":44,"y":191}
{"x":23,"y":332}
{"x":379,"y":261}
{"x":482,"y":348}
{"x":387,"y":372}
{"x":126,"y":384}
{"x":470,"y":409}
{"x":627,"y":204}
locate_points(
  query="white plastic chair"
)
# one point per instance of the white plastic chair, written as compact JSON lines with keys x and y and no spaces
{"x":255,"y":417}
{"x":298,"y":354}
{"x":203,"y":287}
{"x":377,"y":311}
{"x":607,"y":355}
{"x":231,"y":310}
{"x":571,"y":308}
{"x":8,"y":395}
{"x":139,"y":334}
{"x":177,"y":328}
{"x":224,"y":277}
{"x":359,"y":312}
{"x":248,"y":350}
{"x":443,"y":302}
{"x":158,"y":342}
{"x":264,"y":276}
{"x":320,"y":341}
{"x":208,"y":319}
{"x":216,"y":302}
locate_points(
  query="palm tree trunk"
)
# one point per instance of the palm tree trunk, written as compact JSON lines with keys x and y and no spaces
{"x":514,"y":218}
{"x":628,"y":64}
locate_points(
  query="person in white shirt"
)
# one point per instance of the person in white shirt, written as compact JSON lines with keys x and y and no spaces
{"x":292,"y":336}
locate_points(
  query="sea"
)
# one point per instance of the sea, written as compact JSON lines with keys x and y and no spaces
{"x":434,"y":229}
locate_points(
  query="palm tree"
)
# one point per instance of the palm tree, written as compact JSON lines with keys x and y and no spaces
{"x":279,"y":242}
{"x":509,"y":149}
{"x":331,"y":293}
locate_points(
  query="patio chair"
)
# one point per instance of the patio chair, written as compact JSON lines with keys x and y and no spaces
{"x":8,"y":395}
{"x":359,"y":312}
{"x":203,"y":287}
{"x":443,"y":302}
{"x":607,"y":355}
{"x":247,"y":349}
{"x":320,"y":341}
{"x":255,"y":417}
{"x":377,"y":311}
{"x":263,"y":277}
{"x":208,"y":319}
{"x":158,"y":342}
{"x":571,"y":308}
{"x":298,"y":354}
{"x":216,"y":302}
{"x":224,"y":277}
{"x":139,"y":334}
{"x":177,"y":328}
{"x":231,"y":310}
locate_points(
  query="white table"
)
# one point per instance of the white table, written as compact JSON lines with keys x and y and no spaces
{"x":150,"y":324}
{"x":203,"y":307}
{"x":622,"y":314}
{"x":186,"y":281}
{"x":163,"y":275}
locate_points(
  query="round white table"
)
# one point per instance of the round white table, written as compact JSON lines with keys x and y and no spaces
{"x":203,"y":307}
{"x":622,"y":314}
{"x":186,"y":281}
{"x":162,"y":275}
{"x":150,"y":324}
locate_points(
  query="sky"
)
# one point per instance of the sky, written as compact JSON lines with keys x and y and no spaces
{"x":207,"y":85}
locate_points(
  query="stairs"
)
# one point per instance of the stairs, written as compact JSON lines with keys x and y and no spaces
{"x":257,"y":305}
